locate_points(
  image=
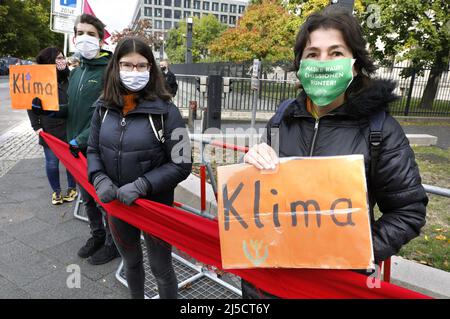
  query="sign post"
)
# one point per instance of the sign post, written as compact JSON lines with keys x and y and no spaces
{"x":255,"y":89}
{"x":63,"y":15}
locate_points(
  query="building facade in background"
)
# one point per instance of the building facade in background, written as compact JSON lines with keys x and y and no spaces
{"x":167,"y":14}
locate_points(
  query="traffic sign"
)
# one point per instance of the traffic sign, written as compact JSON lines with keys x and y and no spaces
{"x":67,"y":7}
{"x":63,"y":24}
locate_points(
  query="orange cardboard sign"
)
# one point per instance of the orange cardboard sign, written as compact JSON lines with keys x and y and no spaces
{"x":310,"y":213}
{"x":29,"y":81}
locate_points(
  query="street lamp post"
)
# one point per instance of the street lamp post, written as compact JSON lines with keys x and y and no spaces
{"x":161,"y":48}
{"x":188,"y":58}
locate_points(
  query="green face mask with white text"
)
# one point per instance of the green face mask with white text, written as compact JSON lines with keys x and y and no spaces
{"x":324,"y":81}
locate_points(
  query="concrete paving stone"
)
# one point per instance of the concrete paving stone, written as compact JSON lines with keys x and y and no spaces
{"x":95,"y":272}
{"x":54,"y":286}
{"x":66,"y":253}
{"x":74,"y":226}
{"x":112,"y":283}
{"x":53,"y":214}
{"x":14,"y":213}
{"x":26,"y":227}
{"x":48,"y":238}
{"x":5,"y":238}
{"x":9,"y":290}
{"x":29,"y":269}
{"x":15,"y":251}
{"x":92,"y":290}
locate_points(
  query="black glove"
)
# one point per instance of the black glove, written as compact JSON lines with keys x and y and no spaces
{"x":36,"y":106}
{"x":128,"y":193}
{"x":74,"y":148}
{"x":105,"y":188}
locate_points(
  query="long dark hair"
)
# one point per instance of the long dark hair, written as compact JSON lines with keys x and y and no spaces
{"x":113,"y":87}
{"x":348,"y":25}
{"x":48,"y":56}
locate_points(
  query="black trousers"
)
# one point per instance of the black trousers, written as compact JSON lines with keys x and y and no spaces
{"x":128,"y":243}
{"x":95,"y":216}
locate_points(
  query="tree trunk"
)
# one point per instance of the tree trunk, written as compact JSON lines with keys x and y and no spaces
{"x":429,"y":94}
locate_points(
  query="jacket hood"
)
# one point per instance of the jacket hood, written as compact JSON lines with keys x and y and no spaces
{"x":375,"y":97}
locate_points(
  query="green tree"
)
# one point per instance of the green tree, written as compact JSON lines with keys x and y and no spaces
{"x":25,"y":28}
{"x":205,"y":30}
{"x":266,"y":31}
{"x":414,"y":30}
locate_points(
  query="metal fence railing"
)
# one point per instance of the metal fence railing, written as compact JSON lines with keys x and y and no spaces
{"x":411,"y":91}
{"x":280,"y":85}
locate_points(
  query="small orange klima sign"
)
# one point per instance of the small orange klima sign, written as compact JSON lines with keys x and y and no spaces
{"x":310,"y":213}
{"x":29,"y":81}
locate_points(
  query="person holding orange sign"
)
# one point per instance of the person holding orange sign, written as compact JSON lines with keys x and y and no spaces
{"x":54,"y":123}
{"x":342,"y":110}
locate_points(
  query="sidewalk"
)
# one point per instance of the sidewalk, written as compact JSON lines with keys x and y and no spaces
{"x":38,"y":241}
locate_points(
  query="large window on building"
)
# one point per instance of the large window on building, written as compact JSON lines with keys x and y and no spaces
{"x":158,"y":12}
{"x":168,"y":13}
{"x":148,"y":12}
{"x":224,"y":7}
{"x":167,"y":25}
{"x":215,"y":6}
{"x":232,"y":8}
{"x":224,"y":19}
{"x":168,"y":3}
{"x":157,"y":2}
{"x":206,"y":5}
{"x":177,"y":3}
{"x":187,"y":3}
{"x":197,"y":5}
{"x":241,"y":9}
{"x":158,"y":24}
{"x":177,"y":14}
{"x":232,"y":20}
{"x":197,"y":14}
{"x":147,"y":1}
{"x":186,"y":14}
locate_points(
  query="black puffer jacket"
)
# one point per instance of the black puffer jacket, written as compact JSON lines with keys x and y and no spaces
{"x":396,"y":186}
{"x":52,"y":122}
{"x":126,"y":148}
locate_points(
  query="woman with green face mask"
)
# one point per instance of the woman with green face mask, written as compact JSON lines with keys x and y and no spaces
{"x":333,"y":116}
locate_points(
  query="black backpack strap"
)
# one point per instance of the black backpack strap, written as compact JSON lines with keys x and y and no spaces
{"x":157,"y":124}
{"x":277,"y":118}
{"x":376,"y":122}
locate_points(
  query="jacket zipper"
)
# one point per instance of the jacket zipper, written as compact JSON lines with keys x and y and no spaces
{"x":316,"y":130}
{"x":80,"y":85}
{"x":123,"y":123}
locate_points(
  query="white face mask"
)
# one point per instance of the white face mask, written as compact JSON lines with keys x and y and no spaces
{"x":134,"y":80}
{"x":87,"y":45}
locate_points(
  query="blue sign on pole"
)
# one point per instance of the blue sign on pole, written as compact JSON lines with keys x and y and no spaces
{"x":68,"y":3}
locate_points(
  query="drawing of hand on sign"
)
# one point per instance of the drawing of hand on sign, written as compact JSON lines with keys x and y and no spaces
{"x":256,"y":246}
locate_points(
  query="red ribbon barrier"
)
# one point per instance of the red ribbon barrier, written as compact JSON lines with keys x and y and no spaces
{"x":199,"y":237}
